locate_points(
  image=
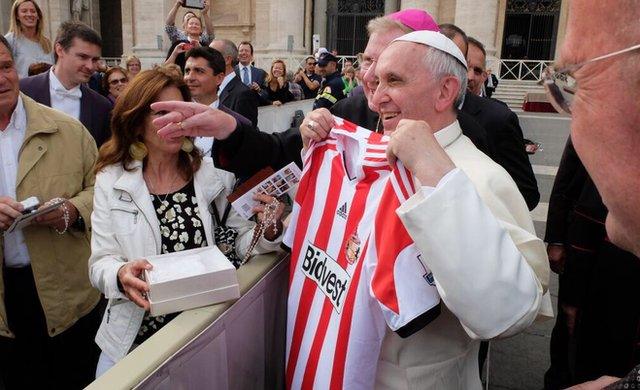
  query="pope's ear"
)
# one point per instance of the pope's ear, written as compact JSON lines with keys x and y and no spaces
{"x":449,"y":89}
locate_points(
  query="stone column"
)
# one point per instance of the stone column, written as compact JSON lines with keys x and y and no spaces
{"x":320,"y":20}
{"x":276,"y":20}
{"x":479,"y":21}
{"x":391,"y":6}
{"x":431,"y":6}
{"x":5,"y":10}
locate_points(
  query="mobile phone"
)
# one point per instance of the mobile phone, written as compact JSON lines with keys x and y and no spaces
{"x":30,"y":205}
{"x":197,"y":4}
{"x":187,"y":46}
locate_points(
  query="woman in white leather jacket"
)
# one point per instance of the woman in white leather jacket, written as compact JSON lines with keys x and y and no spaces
{"x":153,"y":196}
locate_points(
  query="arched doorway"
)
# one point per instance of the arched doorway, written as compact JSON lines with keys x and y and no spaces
{"x":530,"y":29}
{"x":347,"y":24}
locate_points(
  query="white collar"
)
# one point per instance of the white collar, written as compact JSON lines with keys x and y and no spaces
{"x":246,"y":66}
{"x":215,"y":104}
{"x":227,"y":80}
{"x":18,"y":118}
{"x":449,"y":134}
{"x":56,"y":85}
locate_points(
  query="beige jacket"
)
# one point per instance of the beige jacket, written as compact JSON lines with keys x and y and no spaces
{"x":56,"y":160}
{"x":491,"y":271}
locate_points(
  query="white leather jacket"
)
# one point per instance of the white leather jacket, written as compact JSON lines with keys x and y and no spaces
{"x":125,"y":227}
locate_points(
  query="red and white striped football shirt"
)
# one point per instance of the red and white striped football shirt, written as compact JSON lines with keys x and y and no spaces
{"x":353,"y":265}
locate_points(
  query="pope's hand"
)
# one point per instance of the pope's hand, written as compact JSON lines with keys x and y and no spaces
{"x":414,"y":144}
{"x":180,"y":119}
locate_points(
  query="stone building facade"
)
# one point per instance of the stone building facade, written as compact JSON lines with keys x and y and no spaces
{"x":281,"y":28}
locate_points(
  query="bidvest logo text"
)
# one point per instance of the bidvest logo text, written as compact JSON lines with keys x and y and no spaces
{"x":332,"y":279}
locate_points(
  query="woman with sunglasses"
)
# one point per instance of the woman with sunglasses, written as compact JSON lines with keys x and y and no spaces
{"x":114,"y":81}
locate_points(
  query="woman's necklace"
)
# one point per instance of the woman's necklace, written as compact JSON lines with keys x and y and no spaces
{"x":153,"y":189}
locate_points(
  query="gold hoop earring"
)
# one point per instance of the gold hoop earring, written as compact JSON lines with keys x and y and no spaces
{"x":138,"y":151}
{"x":187,"y":145}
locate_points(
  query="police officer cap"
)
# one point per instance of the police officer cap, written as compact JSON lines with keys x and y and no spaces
{"x":435,"y":40}
{"x":325,"y":58}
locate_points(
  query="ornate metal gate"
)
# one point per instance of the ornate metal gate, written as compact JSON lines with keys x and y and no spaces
{"x":347,"y":24}
{"x":530,"y":29}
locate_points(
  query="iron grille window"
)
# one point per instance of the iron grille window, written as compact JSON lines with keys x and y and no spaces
{"x":347,"y":24}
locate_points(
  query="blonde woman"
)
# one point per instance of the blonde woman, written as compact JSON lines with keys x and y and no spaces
{"x":133,"y":66}
{"x":26,"y":38}
{"x":276,"y":90}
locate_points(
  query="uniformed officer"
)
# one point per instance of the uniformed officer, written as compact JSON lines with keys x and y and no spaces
{"x":331,"y":88}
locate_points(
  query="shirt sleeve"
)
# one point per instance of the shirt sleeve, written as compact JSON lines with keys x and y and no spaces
{"x":478,"y":255}
{"x":401,"y":282}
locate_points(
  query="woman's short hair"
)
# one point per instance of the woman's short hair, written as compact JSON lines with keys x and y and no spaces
{"x":16,"y":28}
{"x":129,"y":59}
{"x":109,"y":72}
{"x":128,"y":121}
{"x":270,"y":74}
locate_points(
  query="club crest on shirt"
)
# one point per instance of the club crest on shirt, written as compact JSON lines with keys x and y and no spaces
{"x":352,"y":248}
{"x":428,"y":275}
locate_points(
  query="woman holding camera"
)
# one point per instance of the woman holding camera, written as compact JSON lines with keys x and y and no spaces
{"x":154,"y":196}
{"x":189,"y":33}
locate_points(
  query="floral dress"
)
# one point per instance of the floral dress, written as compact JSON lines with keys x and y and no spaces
{"x":180,"y":229}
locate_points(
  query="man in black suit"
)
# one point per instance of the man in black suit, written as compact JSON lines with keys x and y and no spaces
{"x":501,"y":124}
{"x":77,"y":52}
{"x":233,"y":93}
{"x":598,"y":316}
{"x":251,"y":76}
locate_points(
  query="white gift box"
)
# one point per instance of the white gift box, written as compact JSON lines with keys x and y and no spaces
{"x":188,"y":279}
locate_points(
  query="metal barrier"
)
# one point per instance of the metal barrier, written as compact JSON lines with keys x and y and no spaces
{"x":522,"y":70}
{"x":232,"y":345}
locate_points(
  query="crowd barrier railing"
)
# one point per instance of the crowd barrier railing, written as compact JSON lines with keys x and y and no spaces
{"x":232,"y":345}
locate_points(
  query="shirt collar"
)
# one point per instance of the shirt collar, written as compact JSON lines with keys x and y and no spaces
{"x":447,"y":135}
{"x":18,"y":120}
{"x":215,"y":104}
{"x":57,"y":86}
{"x":227,"y":80}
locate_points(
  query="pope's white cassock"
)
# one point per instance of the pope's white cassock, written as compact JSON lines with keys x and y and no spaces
{"x":491,"y":271}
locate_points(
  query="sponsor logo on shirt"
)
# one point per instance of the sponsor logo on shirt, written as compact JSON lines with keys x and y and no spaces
{"x":330,"y":277}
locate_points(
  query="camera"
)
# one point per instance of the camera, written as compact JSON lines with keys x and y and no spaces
{"x":30,"y":205}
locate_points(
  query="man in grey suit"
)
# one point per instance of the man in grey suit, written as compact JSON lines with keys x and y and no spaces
{"x":77,"y":50}
{"x":233,"y":94}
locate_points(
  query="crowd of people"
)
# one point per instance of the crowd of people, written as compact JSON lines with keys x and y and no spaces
{"x":142,"y":161}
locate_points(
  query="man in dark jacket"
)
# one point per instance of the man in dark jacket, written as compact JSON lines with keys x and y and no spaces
{"x":76,"y":51}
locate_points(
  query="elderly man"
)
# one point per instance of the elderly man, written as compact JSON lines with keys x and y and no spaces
{"x":603,"y":63}
{"x":48,"y":309}
{"x":492,"y":284}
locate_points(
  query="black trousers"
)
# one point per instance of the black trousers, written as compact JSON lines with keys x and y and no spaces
{"x":33,"y":359}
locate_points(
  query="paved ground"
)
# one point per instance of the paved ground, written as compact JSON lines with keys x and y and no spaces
{"x":520,"y":362}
